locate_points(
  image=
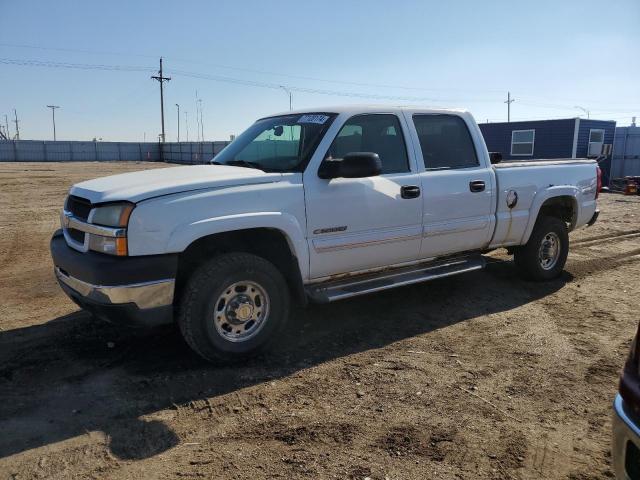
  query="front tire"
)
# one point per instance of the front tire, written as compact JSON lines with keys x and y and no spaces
{"x":545,"y":254}
{"x":233,"y":306}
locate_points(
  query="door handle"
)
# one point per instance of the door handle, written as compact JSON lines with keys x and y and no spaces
{"x":477,"y":186}
{"x":409,"y":191}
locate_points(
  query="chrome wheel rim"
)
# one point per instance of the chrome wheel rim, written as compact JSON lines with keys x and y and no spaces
{"x":549,"y":251}
{"x":241,"y":311}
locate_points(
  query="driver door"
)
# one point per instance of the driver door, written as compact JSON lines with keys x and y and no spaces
{"x":355,"y":224}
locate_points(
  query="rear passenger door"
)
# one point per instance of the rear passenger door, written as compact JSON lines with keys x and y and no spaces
{"x":457,"y":188}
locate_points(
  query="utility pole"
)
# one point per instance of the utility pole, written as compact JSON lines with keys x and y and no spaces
{"x":161,"y":79}
{"x":197,"y":117}
{"x":290,"y":97}
{"x":53,"y":112}
{"x":583,"y":109}
{"x":186,"y":123}
{"x":16,"y":122}
{"x":201,"y":122}
{"x":178,"y":122}
{"x":6,"y":126}
{"x":509,"y":102}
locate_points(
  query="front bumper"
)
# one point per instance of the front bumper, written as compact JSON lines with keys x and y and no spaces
{"x":594,"y":218}
{"x":136,"y":291}
{"x":625,"y":450}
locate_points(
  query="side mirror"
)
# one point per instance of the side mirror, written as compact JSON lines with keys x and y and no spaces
{"x":353,"y":165}
{"x":495,"y":157}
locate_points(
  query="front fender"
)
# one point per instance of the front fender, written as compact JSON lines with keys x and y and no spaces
{"x":544,"y":195}
{"x":185,"y":234}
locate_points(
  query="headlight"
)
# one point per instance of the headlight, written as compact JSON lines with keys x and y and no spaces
{"x":113,"y":215}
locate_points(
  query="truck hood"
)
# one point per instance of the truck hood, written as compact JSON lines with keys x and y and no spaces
{"x":137,"y":186}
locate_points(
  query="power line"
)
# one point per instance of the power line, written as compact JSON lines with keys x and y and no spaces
{"x":320,"y":91}
{"x":240,"y":81}
{"x":301,"y":77}
{"x":80,"y":66}
{"x":245,"y":69}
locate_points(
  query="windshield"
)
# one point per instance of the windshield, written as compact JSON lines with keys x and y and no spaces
{"x":277,"y":144}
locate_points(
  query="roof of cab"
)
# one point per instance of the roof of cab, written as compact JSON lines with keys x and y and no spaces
{"x":355,"y":109}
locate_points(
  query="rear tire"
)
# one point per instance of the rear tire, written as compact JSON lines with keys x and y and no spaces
{"x":233,"y":306}
{"x":545,"y":254}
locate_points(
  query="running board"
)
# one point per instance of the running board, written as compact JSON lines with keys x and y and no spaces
{"x":350,"y":287}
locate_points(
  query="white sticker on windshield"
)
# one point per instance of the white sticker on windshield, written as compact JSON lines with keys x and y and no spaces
{"x":320,"y":119}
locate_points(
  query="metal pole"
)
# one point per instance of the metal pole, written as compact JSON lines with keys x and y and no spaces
{"x":509,"y":102}
{"x":201,"y":121}
{"x":15,"y":113}
{"x":583,"y":109}
{"x":290,"y":96}
{"x":161,"y":79}
{"x":53,"y":113}
{"x":186,"y":123}
{"x":178,"y":122}
{"x":161,"y":101}
{"x":197,"y":118}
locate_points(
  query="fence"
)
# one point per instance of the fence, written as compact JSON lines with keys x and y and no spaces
{"x":626,"y":152}
{"x":191,"y":152}
{"x":62,"y":151}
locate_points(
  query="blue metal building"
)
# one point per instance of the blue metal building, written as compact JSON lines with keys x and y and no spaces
{"x":564,"y":138}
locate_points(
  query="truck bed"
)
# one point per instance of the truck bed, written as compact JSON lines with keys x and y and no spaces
{"x":534,"y":181}
{"x":542,"y":162}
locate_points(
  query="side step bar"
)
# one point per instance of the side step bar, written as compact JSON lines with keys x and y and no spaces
{"x":350,"y":287}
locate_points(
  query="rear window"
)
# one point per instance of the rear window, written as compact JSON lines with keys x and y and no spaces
{"x":445,"y":142}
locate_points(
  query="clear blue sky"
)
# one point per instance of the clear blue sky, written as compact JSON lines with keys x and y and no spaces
{"x":551,"y":55}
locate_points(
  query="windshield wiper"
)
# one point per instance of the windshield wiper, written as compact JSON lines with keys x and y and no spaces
{"x":241,"y":163}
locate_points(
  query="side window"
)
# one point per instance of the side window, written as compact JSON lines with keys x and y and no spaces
{"x":445,"y":142}
{"x":596,"y":141}
{"x":376,"y":133}
{"x":522,"y":142}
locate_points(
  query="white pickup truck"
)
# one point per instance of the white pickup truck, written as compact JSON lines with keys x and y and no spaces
{"x":311,"y":206}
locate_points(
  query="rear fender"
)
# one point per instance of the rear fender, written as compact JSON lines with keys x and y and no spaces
{"x":547,"y":194}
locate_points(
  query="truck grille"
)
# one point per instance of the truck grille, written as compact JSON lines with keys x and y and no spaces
{"x":76,"y":235}
{"x":78,"y":206}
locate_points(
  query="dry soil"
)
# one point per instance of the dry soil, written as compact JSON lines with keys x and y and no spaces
{"x":472,"y":377}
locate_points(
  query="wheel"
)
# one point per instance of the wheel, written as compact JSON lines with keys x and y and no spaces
{"x":233,"y":306}
{"x":544,"y":255}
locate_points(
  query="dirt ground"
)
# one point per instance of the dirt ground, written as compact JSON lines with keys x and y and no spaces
{"x":472,"y":377}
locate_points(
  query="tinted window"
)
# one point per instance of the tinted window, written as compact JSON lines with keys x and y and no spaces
{"x":445,"y":141}
{"x":380,"y":134}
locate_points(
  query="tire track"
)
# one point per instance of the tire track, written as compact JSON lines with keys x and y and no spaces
{"x":584,"y":268}
{"x":607,"y":236}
